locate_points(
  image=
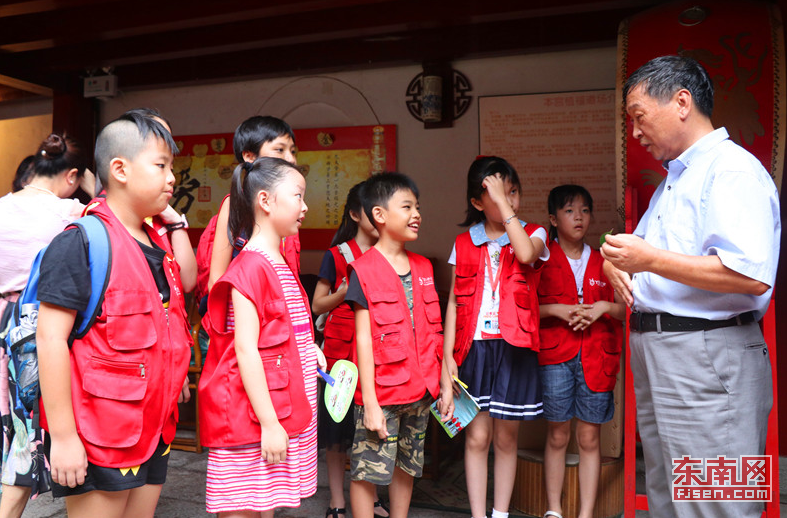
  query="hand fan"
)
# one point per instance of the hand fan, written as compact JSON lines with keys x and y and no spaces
{"x":340,"y":388}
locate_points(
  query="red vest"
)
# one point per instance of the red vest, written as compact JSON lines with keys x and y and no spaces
{"x":225,"y":412}
{"x":406,"y":363}
{"x":127,"y":372}
{"x":601,"y":342}
{"x":340,"y":326}
{"x":518,"y":313}
{"x":291,"y":250}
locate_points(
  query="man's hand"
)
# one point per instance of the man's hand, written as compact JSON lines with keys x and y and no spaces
{"x":621,"y":282}
{"x":629,"y":253}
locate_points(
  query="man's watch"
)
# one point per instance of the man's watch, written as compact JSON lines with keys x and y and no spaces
{"x":183,"y":223}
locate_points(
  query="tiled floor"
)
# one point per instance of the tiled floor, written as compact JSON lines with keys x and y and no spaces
{"x":184,"y":495}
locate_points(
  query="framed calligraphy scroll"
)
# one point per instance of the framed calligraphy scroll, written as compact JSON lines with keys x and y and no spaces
{"x":553,"y":139}
{"x":331,"y":159}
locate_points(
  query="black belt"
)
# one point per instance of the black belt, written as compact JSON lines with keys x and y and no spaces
{"x":645,"y":322}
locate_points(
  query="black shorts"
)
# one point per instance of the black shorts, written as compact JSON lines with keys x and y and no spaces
{"x":99,"y":478}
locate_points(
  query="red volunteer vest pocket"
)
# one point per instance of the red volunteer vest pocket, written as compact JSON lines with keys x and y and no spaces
{"x":387,"y":349}
{"x":339,"y":335}
{"x":524,"y":312}
{"x":432,"y":307}
{"x":117,"y":387}
{"x":278,"y":378}
{"x":129,"y":317}
{"x":273,"y":330}
{"x":389,"y":357}
{"x":552,"y":288}
{"x":388,"y":311}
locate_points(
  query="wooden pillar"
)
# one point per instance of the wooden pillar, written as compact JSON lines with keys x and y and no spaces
{"x":780,"y":294}
{"x":77,"y":117}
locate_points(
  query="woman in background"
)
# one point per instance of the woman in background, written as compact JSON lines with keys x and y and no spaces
{"x":32,"y":217}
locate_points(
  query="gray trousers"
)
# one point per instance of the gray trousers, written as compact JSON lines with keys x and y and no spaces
{"x":701,"y":394}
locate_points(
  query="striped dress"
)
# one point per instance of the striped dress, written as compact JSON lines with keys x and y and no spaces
{"x":238,"y":478}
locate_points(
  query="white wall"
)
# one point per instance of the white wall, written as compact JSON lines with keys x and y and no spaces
{"x":437,"y":159}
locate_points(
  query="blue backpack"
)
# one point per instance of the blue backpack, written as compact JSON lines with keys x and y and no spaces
{"x":20,"y":331}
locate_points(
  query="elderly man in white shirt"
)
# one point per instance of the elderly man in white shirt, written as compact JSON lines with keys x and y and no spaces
{"x":703,"y":260}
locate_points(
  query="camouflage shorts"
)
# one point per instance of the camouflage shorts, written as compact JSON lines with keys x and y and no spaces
{"x":373,"y":459}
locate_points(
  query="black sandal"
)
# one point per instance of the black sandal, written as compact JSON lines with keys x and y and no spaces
{"x":381,"y":505}
{"x":334,"y":512}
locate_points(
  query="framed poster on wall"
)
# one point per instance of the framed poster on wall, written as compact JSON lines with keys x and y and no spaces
{"x":331,"y":159}
{"x":553,"y":139}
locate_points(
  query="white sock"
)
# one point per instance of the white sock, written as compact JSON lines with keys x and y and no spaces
{"x":498,"y":514}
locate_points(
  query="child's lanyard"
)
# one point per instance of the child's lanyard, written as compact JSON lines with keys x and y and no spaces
{"x":494,"y":283}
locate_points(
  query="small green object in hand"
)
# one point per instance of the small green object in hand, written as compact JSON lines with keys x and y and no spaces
{"x":604,"y":236}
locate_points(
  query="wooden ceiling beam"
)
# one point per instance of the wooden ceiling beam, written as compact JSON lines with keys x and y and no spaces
{"x":369,"y":21}
{"x":25,"y":86}
{"x":439,"y":44}
{"x":42,"y":6}
{"x":98,"y":21}
{"x":305,"y":35}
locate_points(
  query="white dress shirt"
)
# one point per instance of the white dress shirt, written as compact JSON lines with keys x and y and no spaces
{"x":717,"y":199}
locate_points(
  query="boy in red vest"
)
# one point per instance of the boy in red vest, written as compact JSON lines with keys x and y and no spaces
{"x":110,"y":397}
{"x":398,"y":339}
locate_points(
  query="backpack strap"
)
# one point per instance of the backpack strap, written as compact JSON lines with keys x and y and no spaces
{"x":100,"y":260}
{"x":346,"y":252}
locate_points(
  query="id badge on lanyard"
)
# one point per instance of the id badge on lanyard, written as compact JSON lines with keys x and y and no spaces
{"x":489,"y":319}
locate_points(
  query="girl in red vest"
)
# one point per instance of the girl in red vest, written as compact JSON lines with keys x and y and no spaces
{"x":258,"y":389}
{"x":355,"y":236}
{"x":580,"y":346}
{"x":491,"y":327}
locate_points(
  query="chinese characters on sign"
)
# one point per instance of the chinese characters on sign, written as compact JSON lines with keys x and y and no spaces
{"x":331,"y":159}
{"x":203,"y":171}
{"x":554,"y":139}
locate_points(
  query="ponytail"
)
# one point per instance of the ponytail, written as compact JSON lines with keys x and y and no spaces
{"x":248,"y":179}
{"x":241,"y":217}
{"x":348,"y":228}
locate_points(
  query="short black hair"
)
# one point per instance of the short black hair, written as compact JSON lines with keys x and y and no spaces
{"x":147,"y":112}
{"x":562,"y":195}
{"x":663,"y":76}
{"x":126,"y":137}
{"x":255,"y":131}
{"x":380,"y":188}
